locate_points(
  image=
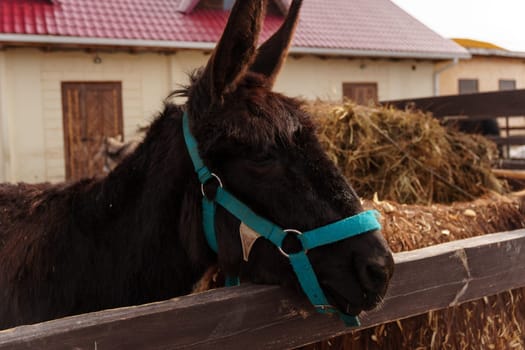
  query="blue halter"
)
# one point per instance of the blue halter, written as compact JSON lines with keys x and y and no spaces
{"x":342,"y":229}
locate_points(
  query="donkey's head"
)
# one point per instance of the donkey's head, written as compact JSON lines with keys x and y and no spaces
{"x":264,"y":148}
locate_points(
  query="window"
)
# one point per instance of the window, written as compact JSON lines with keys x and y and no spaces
{"x":468,"y":86}
{"x":360,"y":93}
{"x":507,"y":84}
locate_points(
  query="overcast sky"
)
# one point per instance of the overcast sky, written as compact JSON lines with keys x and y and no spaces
{"x":501,"y":22}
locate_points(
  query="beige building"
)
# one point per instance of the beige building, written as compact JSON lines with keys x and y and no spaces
{"x":62,"y":93}
{"x":491,"y":68}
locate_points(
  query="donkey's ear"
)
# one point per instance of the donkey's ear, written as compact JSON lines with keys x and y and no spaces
{"x":235,"y":51}
{"x":272,"y":54}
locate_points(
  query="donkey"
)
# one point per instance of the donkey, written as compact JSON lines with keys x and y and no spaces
{"x":136,"y":235}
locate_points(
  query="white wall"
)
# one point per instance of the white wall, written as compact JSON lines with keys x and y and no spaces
{"x":488,"y":70}
{"x":4,"y":135}
{"x":24,"y":116}
{"x":32,"y":147}
{"x":33,"y":84}
{"x":182,"y":64}
{"x":313,"y":77}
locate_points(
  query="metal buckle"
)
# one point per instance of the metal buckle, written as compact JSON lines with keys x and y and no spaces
{"x":216,"y":178}
{"x":297,"y":232}
{"x":326,"y":308}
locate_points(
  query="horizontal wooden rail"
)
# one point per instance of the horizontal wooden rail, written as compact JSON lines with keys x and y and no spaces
{"x":512,"y":140}
{"x":477,"y":105}
{"x":270,"y":317}
{"x":516,"y":164}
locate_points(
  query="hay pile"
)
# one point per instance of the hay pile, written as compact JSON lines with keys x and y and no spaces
{"x":496,"y":322}
{"x":405,"y":156}
{"x":409,"y":227}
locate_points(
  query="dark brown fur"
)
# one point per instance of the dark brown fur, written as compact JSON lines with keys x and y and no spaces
{"x":136,"y":235}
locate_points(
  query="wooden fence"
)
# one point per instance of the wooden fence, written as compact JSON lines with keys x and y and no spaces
{"x":508,"y":105}
{"x":252,"y":316}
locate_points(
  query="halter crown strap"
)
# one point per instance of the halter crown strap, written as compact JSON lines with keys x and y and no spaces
{"x":191,"y":144}
{"x":334,"y":232}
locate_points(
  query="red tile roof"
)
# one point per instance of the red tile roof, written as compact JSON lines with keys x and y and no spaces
{"x":341,"y":27}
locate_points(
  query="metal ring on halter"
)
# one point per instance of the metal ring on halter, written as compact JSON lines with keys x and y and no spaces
{"x":325,"y":307}
{"x":216,"y":178}
{"x":297,"y":232}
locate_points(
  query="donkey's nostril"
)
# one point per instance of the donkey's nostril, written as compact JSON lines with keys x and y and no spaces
{"x":374,"y":275}
{"x":377,"y":274}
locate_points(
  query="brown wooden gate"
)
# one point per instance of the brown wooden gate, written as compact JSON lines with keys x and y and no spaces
{"x":92,"y":111}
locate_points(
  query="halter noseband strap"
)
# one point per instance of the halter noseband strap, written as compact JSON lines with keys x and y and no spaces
{"x":342,"y":229}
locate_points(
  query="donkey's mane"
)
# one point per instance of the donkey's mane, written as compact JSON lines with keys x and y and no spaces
{"x":105,"y":226}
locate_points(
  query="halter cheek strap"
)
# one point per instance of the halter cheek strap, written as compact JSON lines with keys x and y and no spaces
{"x":334,"y":232}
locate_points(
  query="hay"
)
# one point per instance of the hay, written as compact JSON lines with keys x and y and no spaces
{"x":491,"y":323}
{"x":405,"y":156}
{"x":408,"y":227}
{"x":495,"y":322}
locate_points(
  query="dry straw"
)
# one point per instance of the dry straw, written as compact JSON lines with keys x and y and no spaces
{"x":495,"y":322}
{"x":405,"y":156}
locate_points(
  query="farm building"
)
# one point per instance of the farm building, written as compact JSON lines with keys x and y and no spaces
{"x":74,"y":72}
{"x":490,"y":68}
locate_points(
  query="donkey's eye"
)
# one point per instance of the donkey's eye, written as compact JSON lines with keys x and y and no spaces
{"x":263,"y":159}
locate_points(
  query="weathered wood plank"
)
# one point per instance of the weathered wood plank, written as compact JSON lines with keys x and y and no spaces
{"x":478,"y":105}
{"x":270,"y":317}
{"x":511,"y":164}
{"x":513,"y":140}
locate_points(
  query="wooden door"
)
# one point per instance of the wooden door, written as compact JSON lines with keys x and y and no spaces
{"x":360,"y":93}
{"x":92,"y":111}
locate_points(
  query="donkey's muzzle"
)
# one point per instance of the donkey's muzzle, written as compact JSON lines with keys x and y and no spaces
{"x":374,"y":274}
